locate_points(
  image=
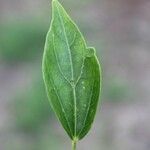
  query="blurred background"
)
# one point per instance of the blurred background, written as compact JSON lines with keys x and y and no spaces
{"x":120,"y":31}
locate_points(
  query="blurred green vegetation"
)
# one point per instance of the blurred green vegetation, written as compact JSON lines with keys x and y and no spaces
{"x":31,"y":108}
{"x":21,"y":41}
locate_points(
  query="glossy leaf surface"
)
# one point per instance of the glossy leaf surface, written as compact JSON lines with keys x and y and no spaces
{"x":71,"y":74}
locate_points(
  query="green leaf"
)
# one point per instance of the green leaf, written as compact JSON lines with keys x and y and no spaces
{"x":71,"y":74}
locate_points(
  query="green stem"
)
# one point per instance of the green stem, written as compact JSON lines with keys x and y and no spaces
{"x":74,"y":144}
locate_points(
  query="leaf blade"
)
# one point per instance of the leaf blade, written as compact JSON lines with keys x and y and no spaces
{"x":67,"y":63}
